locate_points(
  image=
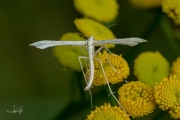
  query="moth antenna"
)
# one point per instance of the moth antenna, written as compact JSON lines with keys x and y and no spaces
{"x":105,"y":29}
{"x":82,"y":34}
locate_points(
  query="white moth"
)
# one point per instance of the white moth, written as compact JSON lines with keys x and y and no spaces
{"x":89,"y":44}
{"x":90,"y":47}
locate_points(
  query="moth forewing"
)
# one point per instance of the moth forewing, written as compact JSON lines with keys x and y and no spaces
{"x":122,"y":41}
{"x":50,"y":43}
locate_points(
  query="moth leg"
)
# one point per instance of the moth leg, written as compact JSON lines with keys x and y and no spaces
{"x":104,"y":74}
{"x":110,"y":62}
{"x":85,"y":77}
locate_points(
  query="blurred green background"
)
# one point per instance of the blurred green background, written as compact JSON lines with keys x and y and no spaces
{"x":32,"y":78}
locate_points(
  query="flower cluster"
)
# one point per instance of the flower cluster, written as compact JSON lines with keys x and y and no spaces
{"x":101,"y":10}
{"x":136,"y":98}
{"x":167,"y":95}
{"x":115,"y":69}
{"x":107,"y":112}
{"x":154,"y":71}
{"x":172,"y":8}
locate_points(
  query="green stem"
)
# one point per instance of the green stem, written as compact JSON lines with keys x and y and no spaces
{"x":77,"y":79}
{"x":147,"y":32}
{"x":169,"y":33}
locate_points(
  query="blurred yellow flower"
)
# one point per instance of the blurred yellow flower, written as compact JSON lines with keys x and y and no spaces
{"x":115,"y":68}
{"x":151,"y":67}
{"x":146,"y":4}
{"x":136,"y":98}
{"x":175,"y":69}
{"x":101,"y":10}
{"x":90,"y":27}
{"x":67,"y":56}
{"x":172,"y":8}
{"x":107,"y":112}
{"x":167,"y":95}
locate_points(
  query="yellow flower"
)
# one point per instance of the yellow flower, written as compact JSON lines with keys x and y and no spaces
{"x":67,"y":56}
{"x":146,"y":4}
{"x":101,"y":10}
{"x":151,"y":67}
{"x":172,"y":8}
{"x":90,"y":27}
{"x":167,"y":95}
{"x":175,"y":69}
{"x":106,"y":112}
{"x":115,"y":68}
{"x":136,"y":98}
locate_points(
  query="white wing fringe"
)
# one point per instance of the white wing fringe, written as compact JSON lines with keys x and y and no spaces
{"x":49,"y":43}
{"x":122,"y":41}
{"x":134,"y":41}
{"x":44,"y":44}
